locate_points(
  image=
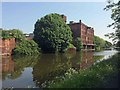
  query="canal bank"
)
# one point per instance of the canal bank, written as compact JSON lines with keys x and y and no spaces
{"x":104,"y":74}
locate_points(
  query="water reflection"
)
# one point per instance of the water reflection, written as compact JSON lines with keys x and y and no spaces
{"x":87,"y":60}
{"x":13,"y":67}
{"x":7,"y":64}
{"x":34,"y":70}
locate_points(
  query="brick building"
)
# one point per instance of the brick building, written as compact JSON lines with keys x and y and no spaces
{"x":83,"y":31}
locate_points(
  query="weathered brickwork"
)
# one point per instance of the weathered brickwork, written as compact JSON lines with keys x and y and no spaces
{"x":7,"y":45}
{"x":84,"y":32}
{"x":87,"y":34}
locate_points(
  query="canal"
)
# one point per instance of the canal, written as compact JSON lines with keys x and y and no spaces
{"x":32,"y":71}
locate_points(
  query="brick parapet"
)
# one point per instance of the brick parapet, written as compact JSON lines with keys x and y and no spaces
{"x":7,"y":45}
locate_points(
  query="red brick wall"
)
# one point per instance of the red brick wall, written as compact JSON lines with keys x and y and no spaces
{"x":75,"y":27}
{"x":87,"y":34}
{"x":83,"y":33}
{"x":7,"y":45}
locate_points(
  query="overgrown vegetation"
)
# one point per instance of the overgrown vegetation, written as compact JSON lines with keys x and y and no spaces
{"x":102,"y":75}
{"x":52,"y":33}
{"x":78,"y":44}
{"x":26,"y":47}
{"x":14,"y":33}
{"x":23,"y":46}
{"x":70,"y":46}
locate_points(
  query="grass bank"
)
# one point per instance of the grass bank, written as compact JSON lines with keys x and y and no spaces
{"x":101,"y":75}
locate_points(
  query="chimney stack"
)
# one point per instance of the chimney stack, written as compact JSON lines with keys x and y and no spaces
{"x":64,"y":17}
{"x":79,"y":21}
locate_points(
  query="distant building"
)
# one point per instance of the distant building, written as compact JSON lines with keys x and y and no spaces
{"x":29,"y":36}
{"x":83,"y":31}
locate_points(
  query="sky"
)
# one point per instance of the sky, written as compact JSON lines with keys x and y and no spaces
{"x":23,"y":15}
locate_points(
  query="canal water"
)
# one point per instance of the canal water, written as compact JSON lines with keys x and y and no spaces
{"x":32,"y":71}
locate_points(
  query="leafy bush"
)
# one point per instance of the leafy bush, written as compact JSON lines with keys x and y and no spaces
{"x":26,"y":47}
{"x":71,"y":46}
{"x":14,"y":33}
{"x":78,"y":44}
{"x":52,"y":33}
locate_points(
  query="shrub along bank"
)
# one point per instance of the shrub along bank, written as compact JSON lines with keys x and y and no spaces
{"x":101,"y":75}
{"x":26,"y":47}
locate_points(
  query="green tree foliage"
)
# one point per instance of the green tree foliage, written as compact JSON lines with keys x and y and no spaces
{"x":26,"y":47}
{"x":108,"y":44}
{"x":115,"y":8}
{"x":52,"y":33}
{"x":78,"y":44}
{"x":14,"y":33}
{"x":117,"y":44}
{"x":99,"y":43}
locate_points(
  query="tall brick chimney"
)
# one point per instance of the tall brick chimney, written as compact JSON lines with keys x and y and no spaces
{"x":79,"y":21}
{"x":64,"y":17}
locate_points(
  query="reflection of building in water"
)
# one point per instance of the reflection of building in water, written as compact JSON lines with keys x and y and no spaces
{"x":7,"y":64}
{"x":82,"y":60}
{"x":87,"y":59}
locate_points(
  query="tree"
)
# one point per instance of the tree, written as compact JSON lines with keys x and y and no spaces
{"x":78,"y":44}
{"x":99,"y":43}
{"x":52,"y":33}
{"x":115,"y":16}
{"x":16,"y":33}
{"x":26,"y":47}
{"x":108,"y":44}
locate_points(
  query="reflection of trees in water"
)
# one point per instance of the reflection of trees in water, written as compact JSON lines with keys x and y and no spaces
{"x":19,"y":64}
{"x":50,"y":65}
